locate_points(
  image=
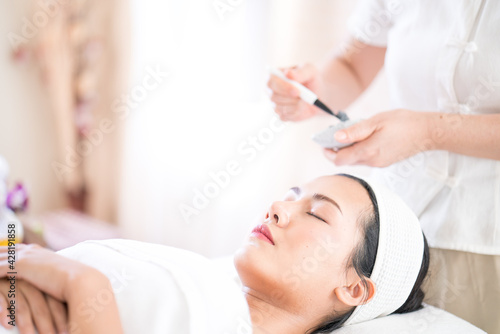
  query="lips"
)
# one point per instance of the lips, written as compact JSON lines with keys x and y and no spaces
{"x":263,"y":232}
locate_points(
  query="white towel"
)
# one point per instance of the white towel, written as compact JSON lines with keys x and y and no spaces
{"x":161,"y":289}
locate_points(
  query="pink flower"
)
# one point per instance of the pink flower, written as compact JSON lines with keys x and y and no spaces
{"x":17,"y":198}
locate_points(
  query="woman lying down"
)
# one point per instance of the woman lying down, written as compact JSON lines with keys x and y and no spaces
{"x":334,"y":252}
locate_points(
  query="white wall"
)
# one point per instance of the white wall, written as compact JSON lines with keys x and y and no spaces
{"x":215,"y":100}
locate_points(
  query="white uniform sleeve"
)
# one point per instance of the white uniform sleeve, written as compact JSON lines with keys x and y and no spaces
{"x":372,"y":19}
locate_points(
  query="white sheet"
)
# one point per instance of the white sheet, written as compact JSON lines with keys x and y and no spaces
{"x":429,"y":320}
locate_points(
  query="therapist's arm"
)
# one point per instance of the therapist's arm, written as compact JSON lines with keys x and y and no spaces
{"x":349,"y":71}
{"x":472,"y":135}
{"x":341,"y":79}
{"x":395,"y":135}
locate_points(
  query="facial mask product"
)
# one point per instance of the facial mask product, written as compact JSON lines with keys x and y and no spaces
{"x":326,"y":138}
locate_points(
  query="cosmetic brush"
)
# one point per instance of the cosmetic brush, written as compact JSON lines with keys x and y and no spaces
{"x":308,"y":96}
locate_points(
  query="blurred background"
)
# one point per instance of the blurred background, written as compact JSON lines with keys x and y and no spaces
{"x":152,"y":121}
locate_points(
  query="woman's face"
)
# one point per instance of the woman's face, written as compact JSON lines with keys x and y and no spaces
{"x":312,"y":233}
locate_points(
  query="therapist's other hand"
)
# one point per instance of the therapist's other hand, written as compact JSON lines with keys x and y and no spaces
{"x":383,"y":139}
{"x":285,"y":96}
{"x":34,"y":309}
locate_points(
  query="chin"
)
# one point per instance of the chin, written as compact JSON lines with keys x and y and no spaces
{"x":243,"y":259}
{"x":255,"y":266}
{"x":260,"y":272}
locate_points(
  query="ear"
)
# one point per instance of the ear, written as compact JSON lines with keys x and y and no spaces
{"x":356,"y":293}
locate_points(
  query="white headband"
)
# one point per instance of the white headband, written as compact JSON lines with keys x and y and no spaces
{"x":399,"y":257}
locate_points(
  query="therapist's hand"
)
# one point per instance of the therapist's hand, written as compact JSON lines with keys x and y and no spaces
{"x":383,"y":139}
{"x":285,"y":96}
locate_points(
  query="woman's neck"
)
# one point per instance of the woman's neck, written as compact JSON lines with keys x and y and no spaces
{"x":270,"y":317}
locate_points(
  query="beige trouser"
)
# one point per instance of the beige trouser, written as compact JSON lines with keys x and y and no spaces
{"x":466,"y":285}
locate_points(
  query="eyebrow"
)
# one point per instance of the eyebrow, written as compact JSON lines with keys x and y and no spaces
{"x":318,"y":197}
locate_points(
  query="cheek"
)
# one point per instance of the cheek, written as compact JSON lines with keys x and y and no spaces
{"x":322,"y":245}
{"x":315,"y":263}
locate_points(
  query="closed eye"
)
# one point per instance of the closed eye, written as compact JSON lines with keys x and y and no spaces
{"x":317,"y":217}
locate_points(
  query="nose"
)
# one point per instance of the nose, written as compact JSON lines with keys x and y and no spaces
{"x":279,"y":214}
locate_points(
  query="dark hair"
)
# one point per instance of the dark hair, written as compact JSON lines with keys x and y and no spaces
{"x":362,"y":259}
